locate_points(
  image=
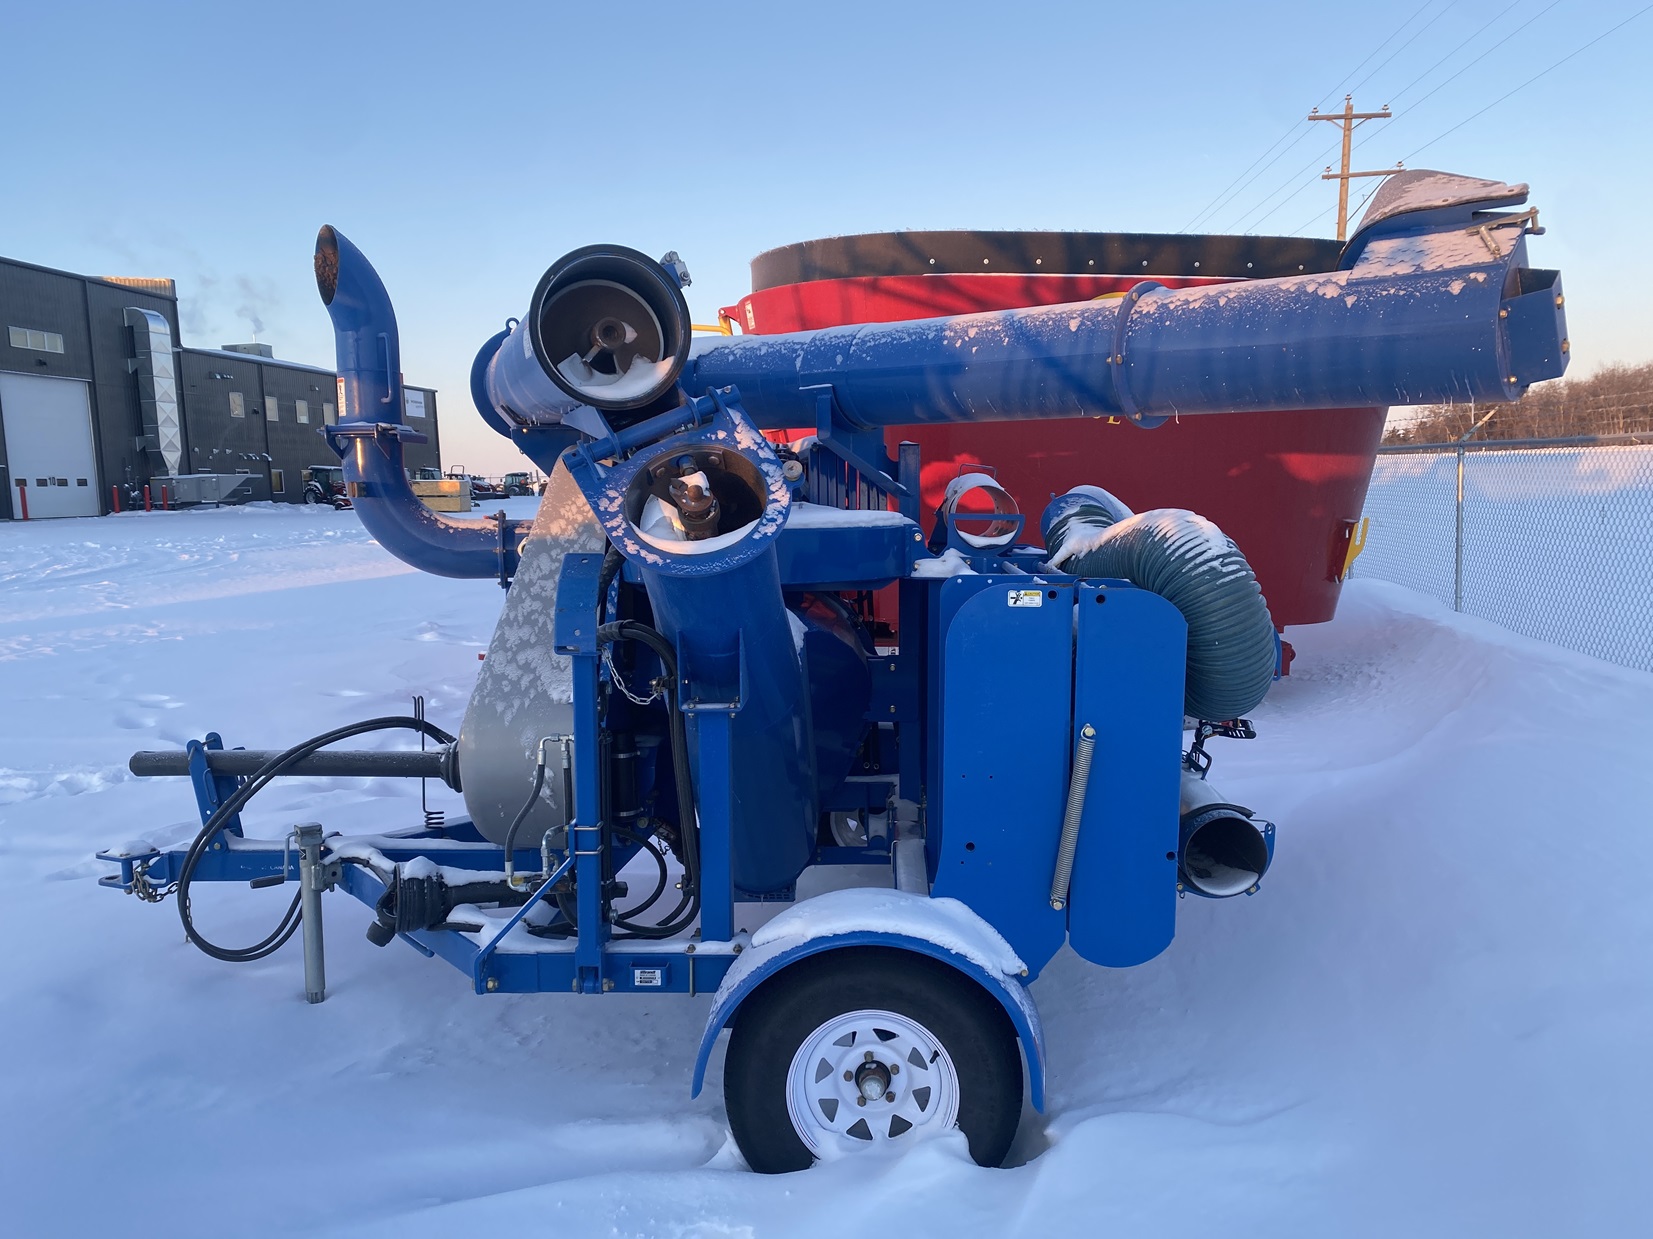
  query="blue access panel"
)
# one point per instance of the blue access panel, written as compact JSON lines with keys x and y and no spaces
{"x":1006,"y":699}
{"x":1128,"y":685}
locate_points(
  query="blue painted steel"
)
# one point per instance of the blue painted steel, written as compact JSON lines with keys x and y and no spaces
{"x":995,"y":809}
{"x":1414,"y":320}
{"x":724,"y":612}
{"x":585,"y":831}
{"x":479,"y":966}
{"x":491,"y":417}
{"x":550,"y":967}
{"x":211,"y":789}
{"x":1128,"y":685}
{"x":716,"y":807}
{"x":847,"y":557}
{"x":1023,"y":1016}
{"x":370,"y":415}
{"x":840,"y":686}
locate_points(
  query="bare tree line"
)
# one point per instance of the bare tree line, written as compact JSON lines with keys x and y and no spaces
{"x":1616,"y":399}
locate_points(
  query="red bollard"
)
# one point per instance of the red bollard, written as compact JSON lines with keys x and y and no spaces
{"x":146,"y":507}
{"x":115,"y":499}
{"x":163,"y":499}
{"x":23,"y":500}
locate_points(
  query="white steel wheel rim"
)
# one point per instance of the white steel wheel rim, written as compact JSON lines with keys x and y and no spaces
{"x":914,"y":1077}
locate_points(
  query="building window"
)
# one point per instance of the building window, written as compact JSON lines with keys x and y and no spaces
{"x":39,"y":341}
{"x":301,"y":412}
{"x":278,"y":482}
{"x":238,"y":406}
{"x":329,"y":415}
{"x":272,"y":409}
{"x":414,"y":402}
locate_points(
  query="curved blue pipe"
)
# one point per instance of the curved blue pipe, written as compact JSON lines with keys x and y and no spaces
{"x":369,"y":433}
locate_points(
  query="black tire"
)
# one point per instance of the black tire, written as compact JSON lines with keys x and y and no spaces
{"x":786,"y":1010}
{"x":312,"y":495}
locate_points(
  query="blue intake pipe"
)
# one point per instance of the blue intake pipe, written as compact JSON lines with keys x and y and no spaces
{"x":369,"y":433}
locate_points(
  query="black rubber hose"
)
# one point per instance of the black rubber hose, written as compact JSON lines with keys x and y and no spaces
{"x":688,"y":824}
{"x":238,"y":799}
{"x":606,"y":573}
{"x":527,"y":805}
{"x":1192,"y":564}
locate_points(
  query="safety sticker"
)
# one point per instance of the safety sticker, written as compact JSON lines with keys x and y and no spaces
{"x":1026,"y":597}
{"x":647,"y":978}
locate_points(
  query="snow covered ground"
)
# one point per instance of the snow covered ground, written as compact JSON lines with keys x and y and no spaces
{"x":1433,"y":1020}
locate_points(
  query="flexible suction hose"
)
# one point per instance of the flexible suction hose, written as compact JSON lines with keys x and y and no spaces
{"x":1192,"y":564}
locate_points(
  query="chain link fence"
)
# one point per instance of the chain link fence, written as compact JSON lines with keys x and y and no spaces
{"x":1550,"y":538}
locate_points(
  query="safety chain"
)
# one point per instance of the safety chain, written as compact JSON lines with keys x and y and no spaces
{"x":146,"y":890}
{"x":656,"y":685}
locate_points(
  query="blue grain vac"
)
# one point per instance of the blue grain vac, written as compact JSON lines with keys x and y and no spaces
{"x":688,"y":704}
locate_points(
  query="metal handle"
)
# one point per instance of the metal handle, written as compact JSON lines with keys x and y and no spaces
{"x":390,"y":375}
{"x":1070,"y":819}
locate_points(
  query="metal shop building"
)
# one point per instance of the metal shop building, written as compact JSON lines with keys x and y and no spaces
{"x":98,"y":399}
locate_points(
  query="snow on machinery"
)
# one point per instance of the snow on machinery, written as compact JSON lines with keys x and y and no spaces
{"x":683,"y":707}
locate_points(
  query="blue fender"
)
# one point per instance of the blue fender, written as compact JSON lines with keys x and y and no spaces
{"x":941,"y":929}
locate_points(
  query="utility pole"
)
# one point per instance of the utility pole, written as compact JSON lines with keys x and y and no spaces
{"x":1349,"y":119}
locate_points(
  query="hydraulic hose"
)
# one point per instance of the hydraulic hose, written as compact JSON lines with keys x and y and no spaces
{"x":688,"y":824}
{"x":237,"y":800}
{"x":1193,"y":565}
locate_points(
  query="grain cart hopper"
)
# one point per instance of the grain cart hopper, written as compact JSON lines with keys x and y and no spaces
{"x":682,"y":709}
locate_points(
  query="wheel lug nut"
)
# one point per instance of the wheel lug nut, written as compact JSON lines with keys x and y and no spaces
{"x":894,"y":1070}
{"x":860,"y":1101}
{"x":849,"y":1075}
{"x":868,"y":1056}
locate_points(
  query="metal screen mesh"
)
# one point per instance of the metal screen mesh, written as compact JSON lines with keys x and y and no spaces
{"x":1552,"y":542}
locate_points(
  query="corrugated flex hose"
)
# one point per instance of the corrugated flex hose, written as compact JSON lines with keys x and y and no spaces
{"x":1193,"y":565}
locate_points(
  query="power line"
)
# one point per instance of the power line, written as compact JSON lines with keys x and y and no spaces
{"x":1441,"y":86}
{"x":1332,"y":93}
{"x":1359,"y":207}
{"x":1226,"y":196}
{"x":1237,"y":190}
{"x":1491,"y":21}
{"x":1459,"y":73}
{"x":1293,"y":179}
{"x":1353,"y":89}
{"x":1533,"y":78}
{"x":1307,"y":168}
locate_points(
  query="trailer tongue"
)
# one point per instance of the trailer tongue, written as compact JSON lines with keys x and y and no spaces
{"x":689,"y":702}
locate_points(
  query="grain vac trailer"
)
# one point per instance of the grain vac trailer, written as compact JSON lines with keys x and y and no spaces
{"x":685,"y":706}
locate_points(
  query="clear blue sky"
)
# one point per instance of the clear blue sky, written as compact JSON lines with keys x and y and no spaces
{"x":466,"y":147}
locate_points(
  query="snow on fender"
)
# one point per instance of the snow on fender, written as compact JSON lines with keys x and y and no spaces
{"x":941,"y":929}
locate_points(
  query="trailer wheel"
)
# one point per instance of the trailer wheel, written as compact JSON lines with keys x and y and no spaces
{"x":871,"y":1047}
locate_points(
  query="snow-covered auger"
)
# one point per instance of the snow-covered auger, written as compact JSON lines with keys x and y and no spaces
{"x":688,"y":701}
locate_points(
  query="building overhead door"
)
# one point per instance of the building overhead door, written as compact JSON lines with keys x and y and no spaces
{"x":48,"y":425}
